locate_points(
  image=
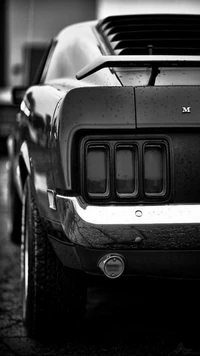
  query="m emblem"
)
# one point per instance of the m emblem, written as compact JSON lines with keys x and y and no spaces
{"x":186,"y":109}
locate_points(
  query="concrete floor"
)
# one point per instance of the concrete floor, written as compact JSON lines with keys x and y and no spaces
{"x":152,"y":319}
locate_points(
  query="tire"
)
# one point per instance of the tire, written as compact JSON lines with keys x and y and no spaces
{"x":15,"y":211}
{"x":53,"y":295}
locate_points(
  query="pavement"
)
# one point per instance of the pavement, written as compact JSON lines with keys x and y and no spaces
{"x":140,"y":318}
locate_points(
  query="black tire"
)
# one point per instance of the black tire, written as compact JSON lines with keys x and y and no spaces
{"x":53,"y":295}
{"x":15,"y":210}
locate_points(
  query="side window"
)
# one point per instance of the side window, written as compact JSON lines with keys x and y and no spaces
{"x":44,"y":65}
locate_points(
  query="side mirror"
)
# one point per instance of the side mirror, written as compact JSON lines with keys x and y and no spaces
{"x":18,"y":94}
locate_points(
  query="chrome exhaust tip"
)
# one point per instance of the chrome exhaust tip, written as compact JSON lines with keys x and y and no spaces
{"x":112,"y":265}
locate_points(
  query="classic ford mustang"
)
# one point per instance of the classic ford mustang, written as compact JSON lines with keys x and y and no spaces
{"x":105,"y":161}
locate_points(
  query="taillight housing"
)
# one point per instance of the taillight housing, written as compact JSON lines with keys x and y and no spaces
{"x":118,"y":170}
{"x":97,"y":170}
{"x":155,"y":169}
{"x":126,"y":170}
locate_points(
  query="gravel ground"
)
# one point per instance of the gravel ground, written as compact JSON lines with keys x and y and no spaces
{"x":146,"y":318}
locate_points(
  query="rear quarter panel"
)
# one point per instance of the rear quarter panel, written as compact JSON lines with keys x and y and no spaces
{"x":37,"y":120}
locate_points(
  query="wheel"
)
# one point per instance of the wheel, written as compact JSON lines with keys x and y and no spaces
{"x":15,"y":210}
{"x":52,"y":293}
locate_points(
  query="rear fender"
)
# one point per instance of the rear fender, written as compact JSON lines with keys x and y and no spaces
{"x":89,"y":108}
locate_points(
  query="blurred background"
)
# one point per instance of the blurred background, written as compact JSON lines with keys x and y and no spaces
{"x":27,"y":26}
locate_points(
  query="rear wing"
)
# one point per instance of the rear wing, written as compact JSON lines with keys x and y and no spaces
{"x":137,"y":61}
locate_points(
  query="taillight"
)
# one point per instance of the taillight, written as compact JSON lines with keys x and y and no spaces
{"x":155,"y":170}
{"x":136,"y":169}
{"x":126,"y":170}
{"x":97,"y":168}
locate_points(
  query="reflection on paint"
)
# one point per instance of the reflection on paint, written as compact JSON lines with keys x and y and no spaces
{"x":25,"y":109}
{"x":40,"y":182}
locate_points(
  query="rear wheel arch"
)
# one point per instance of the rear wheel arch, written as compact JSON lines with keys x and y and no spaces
{"x":24,"y":172}
{"x":52,"y":294}
{"x":24,"y":162}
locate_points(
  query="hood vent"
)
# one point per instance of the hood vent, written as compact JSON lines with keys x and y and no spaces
{"x":157,"y":34}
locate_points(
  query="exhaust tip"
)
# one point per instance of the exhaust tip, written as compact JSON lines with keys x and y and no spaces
{"x":112,"y":265}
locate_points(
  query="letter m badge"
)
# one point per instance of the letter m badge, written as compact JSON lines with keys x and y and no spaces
{"x":186,"y":110}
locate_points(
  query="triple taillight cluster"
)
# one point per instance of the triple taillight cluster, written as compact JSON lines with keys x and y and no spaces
{"x":121,"y":170}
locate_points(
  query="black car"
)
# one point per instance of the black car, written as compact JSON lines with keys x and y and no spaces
{"x":105,"y":161}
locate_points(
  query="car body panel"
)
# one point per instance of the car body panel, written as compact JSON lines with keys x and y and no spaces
{"x":177,"y":264}
{"x":91,"y":109}
{"x":179,"y":109}
{"x":36,"y":120}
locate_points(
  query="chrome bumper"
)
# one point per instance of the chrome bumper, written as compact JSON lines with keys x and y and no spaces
{"x":129,"y":227}
{"x":136,"y":215}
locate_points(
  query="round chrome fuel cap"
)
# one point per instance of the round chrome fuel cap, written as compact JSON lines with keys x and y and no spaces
{"x":112,"y":265}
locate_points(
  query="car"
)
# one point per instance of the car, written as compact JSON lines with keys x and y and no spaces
{"x":105,"y":162}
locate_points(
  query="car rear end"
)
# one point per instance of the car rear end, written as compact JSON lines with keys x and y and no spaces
{"x":131,"y":154}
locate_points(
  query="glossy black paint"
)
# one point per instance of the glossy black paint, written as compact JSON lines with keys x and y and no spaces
{"x":163,"y":106}
{"x":159,"y":263}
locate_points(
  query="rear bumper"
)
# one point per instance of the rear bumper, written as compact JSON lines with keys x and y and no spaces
{"x":164,"y":263}
{"x":130,"y":227}
{"x":162,"y":241}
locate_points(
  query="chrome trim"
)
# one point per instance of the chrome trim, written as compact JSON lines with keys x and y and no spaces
{"x":111,"y":257}
{"x":126,"y":215}
{"x":52,"y":199}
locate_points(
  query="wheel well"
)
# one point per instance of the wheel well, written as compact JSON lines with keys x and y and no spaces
{"x":23,"y":170}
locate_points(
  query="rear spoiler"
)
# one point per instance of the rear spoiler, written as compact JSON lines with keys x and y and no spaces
{"x":137,"y":61}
